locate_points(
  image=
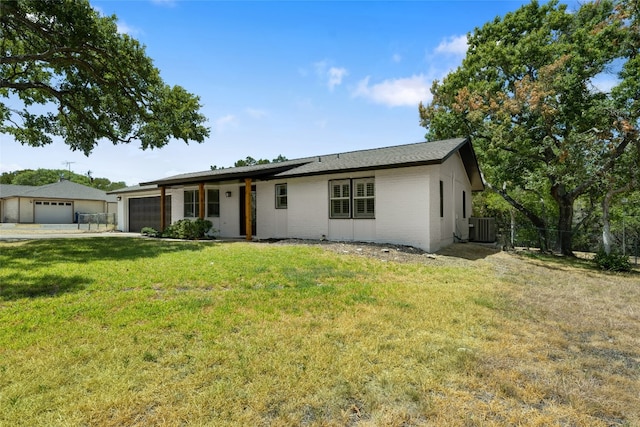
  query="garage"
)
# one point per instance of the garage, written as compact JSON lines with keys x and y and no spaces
{"x":145,"y":212}
{"x":53,"y":212}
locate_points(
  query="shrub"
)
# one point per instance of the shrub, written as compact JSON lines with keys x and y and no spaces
{"x":151,"y":232}
{"x":613,"y":261}
{"x":188,"y":229}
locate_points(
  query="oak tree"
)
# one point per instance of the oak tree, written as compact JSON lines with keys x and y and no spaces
{"x":91,"y":81}
{"x":530,"y":93}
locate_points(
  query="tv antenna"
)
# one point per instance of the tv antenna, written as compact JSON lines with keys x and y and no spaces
{"x":68,"y":164}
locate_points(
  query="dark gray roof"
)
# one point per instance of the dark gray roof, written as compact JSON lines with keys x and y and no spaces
{"x":133,"y":189}
{"x":10,"y":190}
{"x":421,"y":153}
{"x":255,"y":171}
{"x":59,"y":190}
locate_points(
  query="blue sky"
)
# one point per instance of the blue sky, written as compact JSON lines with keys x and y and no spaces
{"x":296,"y":78}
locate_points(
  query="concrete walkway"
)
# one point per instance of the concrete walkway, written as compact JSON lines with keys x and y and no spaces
{"x":13,"y":232}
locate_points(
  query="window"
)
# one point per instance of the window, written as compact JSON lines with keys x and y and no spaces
{"x":464,"y":204}
{"x":345,"y":193}
{"x":364,"y":198}
{"x":340,"y":198}
{"x":191,"y":203}
{"x":281,"y":196}
{"x":441,"y":199}
{"x":213,"y":203}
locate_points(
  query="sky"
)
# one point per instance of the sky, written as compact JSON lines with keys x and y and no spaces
{"x":291,"y":78}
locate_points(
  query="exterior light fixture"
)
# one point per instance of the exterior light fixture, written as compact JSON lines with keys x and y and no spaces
{"x":227,"y":194}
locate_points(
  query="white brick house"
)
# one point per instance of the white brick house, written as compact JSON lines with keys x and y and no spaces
{"x":415,"y":194}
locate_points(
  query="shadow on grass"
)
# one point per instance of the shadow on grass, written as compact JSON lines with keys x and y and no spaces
{"x":470,"y":251}
{"x":46,"y":252}
{"x":560,"y":262}
{"x":16,"y":287}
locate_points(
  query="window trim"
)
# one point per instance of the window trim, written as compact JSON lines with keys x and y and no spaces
{"x":281,"y":200}
{"x":341,"y":198}
{"x":195,"y":202}
{"x":365,"y":197}
{"x":351,"y":198}
{"x":211,"y":204}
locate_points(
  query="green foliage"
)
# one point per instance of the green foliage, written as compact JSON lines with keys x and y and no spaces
{"x":96,"y":82}
{"x":49,"y":176}
{"x":188,"y":229}
{"x":525,"y":93}
{"x":250,"y":161}
{"x":151,"y":232}
{"x":613,"y":261}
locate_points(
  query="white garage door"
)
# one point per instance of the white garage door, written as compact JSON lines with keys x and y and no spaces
{"x":53,"y":212}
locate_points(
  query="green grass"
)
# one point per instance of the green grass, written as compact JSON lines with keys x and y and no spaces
{"x":113,"y":331}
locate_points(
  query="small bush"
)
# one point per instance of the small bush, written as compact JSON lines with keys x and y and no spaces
{"x":613,"y":261}
{"x":151,"y":232}
{"x":187,"y":229}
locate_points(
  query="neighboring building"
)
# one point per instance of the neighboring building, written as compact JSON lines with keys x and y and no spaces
{"x":55,"y":203}
{"x":416,"y":194}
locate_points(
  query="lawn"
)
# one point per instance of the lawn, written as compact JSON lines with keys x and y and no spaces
{"x":114,"y":331}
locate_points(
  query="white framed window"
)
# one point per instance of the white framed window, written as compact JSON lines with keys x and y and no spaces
{"x":213,"y":202}
{"x":340,"y":198}
{"x":352,"y":198}
{"x":281,"y":196}
{"x":364,"y":200}
{"x":191,"y":203}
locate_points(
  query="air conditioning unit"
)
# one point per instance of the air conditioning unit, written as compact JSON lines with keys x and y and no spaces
{"x":482,"y":230}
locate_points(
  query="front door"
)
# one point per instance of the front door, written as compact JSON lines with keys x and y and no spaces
{"x":243,"y":211}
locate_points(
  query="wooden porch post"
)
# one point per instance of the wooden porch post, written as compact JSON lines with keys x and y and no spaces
{"x":163,"y":202}
{"x":247,"y":208}
{"x":201,"y":200}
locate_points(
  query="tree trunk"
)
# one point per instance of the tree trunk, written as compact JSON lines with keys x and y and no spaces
{"x":606,"y":223}
{"x":565,"y":219}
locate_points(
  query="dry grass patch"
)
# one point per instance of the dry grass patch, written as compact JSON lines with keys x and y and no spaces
{"x":140,"y":332}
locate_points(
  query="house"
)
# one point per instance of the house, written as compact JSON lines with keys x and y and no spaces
{"x":415,"y":194}
{"x":55,"y":203}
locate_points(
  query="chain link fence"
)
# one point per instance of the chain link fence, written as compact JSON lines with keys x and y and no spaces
{"x":625,"y":241}
{"x":96,"y":221}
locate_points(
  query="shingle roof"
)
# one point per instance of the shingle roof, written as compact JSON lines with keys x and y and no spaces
{"x":379,"y":158}
{"x":10,"y":190}
{"x":421,"y":153}
{"x":133,"y":189}
{"x":58,"y":190}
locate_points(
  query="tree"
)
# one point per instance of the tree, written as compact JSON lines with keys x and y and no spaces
{"x":48,"y":176}
{"x":63,"y":54}
{"x":526,"y":94}
{"x":250,"y":161}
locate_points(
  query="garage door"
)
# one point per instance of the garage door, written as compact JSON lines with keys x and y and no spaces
{"x":145,"y":212}
{"x":53,"y":212}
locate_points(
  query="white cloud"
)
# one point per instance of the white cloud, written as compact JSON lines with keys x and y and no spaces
{"x":10,"y":167}
{"x":400,"y":92}
{"x":225,"y":122}
{"x":335,"y":76}
{"x":454,"y":45}
{"x":332,"y":75}
{"x":256,"y":113}
{"x":124,"y":28}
